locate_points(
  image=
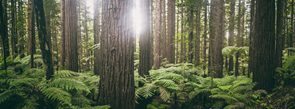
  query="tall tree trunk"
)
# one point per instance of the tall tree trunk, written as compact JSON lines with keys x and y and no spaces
{"x":198,"y":32}
{"x":263,"y":57}
{"x":205,"y":34}
{"x":31,"y":32}
{"x":239,"y":37}
{"x":183,"y":39}
{"x":71,"y":36}
{"x":63,"y":35}
{"x":157,"y":37}
{"x":231,"y":32}
{"x":117,"y":55}
{"x":191,"y":34}
{"x":163,"y":30}
{"x":216,"y":38}
{"x":86,"y":37}
{"x":97,"y":33}
{"x":145,"y":40}
{"x":291,"y":36}
{"x":171,"y":31}
{"x":177,"y":56}
{"x":280,"y":37}
{"x":14,"y":38}
{"x":43,"y":40}
{"x":21,"y":28}
{"x":4,"y":31}
{"x":252,"y":30}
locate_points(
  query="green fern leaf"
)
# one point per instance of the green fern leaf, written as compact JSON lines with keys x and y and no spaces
{"x":6,"y":95}
{"x":57,"y":94}
{"x":69,"y":84}
{"x":164,"y":94}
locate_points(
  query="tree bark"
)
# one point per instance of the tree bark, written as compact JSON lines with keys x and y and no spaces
{"x":14,"y":38}
{"x":182,"y":34}
{"x":97,"y":35}
{"x":231,"y":30}
{"x":157,"y":37}
{"x":71,"y":36}
{"x":63,"y":35}
{"x":145,"y":40}
{"x":263,"y":54}
{"x":280,"y":37}
{"x":205,"y":35}
{"x":191,"y":34}
{"x":216,"y":38}
{"x":171,"y":31}
{"x":31,"y":32}
{"x":116,"y":86}
{"x":43,"y":40}
{"x":198,"y":33}
{"x":4,"y":31}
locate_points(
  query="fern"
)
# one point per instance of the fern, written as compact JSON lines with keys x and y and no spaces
{"x":146,"y":91}
{"x":6,"y":95}
{"x":64,"y":74}
{"x":57,"y":94}
{"x":229,"y":99}
{"x":69,"y":84}
{"x":168,"y":84}
{"x":164,"y":94}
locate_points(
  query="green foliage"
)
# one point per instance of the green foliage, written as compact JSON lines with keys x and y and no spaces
{"x":184,"y":82}
{"x":30,"y":90}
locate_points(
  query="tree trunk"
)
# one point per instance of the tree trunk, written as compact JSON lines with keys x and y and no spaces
{"x":97,"y":33}
{"x":43,"y":40}
{"x":4,"y":31}
{"x":117,"y":55}
{"x":205,"y":35}
{"x":239,"y":37}
{"x":21,"y":29}
{"x":157,"y":37}
{"x":71,"y":36}
{"x":198,"y":32}
{"x":163,"y":30}
{"x":14,"y":38}
{"x":263,"y":57}
{"x":280,"y":37}
{"x":231,"y":30}
{"x":145,"y":40}
{"x":183,"y":39}
{"x":252,"y":30}
{"x":216,"y":38}
{"x":31,"y":32}
{"x":63,"y":35}
{"x":171,"y":31}
{"x":191,"y":34}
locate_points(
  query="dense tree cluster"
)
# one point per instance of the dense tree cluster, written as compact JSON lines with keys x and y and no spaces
{"x":194,"y":41}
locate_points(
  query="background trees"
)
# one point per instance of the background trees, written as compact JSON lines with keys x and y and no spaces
{"x":188,"y":40}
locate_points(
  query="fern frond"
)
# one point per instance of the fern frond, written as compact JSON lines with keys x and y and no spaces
{"x":23,"y":82}
{"x":30,"y":104}
{"x":164,"y":94}
{"x":168,"y":84}
{"x":229,"y":99}
{"x":172,"y":76}
{"x":69,"y":84}
{"x":64,"y":74}
{"x":6,"y":95}
{"x":57,"y":94}
{"x":146,"y":91}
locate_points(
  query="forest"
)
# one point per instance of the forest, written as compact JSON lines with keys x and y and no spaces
{"x":147,"y":54}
